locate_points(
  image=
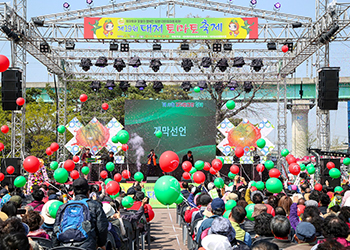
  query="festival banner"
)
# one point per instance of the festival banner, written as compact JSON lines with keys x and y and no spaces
{"x":171,"y":28}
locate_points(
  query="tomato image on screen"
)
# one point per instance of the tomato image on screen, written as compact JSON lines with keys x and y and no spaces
{"x":245,"y":134}
{"x":93,"y":134}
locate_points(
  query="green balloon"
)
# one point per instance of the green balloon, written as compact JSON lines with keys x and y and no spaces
{"x":114,"y":196}
{"x":193,"y":170}
{"x":219,"y":183}
{"x":197,"y":89}
{"x":53,"y":208}
{"x":60,"y":175}
{"x":230,"y":204}
{"x":284,"y":152}
{"x":310,"y":165}
{"x":274,"y":185}
{"x":302,"y":167}
{"x":346,"y":161}
{"x":231,"y":175}
{"x":231,"y":184}
{"x":123,"y":136}
{"x":227,"y":214}
{"x":338,"y":189}
{"x":250,"y":209}
{"x":199,"y":165}
{"x":110,"y":166}
{"x":269,"y":164}
{"x":180,"y":199}
{"x":115,"y":139}
{"x":260,"y":185}
{"x":54,"y":165}
{"x":108,"y":180}
{"x":261,"y":143}
{"x":230,"y":104}
{"x":222,"y":160}
{"x":311,"y":169}
{"x":61,"y":129}
{"x":85,"y":170}
{"x":159,"y":134}
{"x":138,"y":176}
{"x":20,"y":181}
{"x":127,"y":202}
{"x":253,"y":183}
{"x":167,"y":190}
{"x":334,"y":173}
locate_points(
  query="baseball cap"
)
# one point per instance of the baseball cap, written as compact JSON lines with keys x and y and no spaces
{"x":16,"y":199}
{"x":108,"y":209}
{"x":259,"y":209}
{"x":218,"y":203}
{"x":306,"y":232}
{"x":80,"y":184}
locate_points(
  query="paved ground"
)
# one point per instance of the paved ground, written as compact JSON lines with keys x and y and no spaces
{"x":168,"y":234}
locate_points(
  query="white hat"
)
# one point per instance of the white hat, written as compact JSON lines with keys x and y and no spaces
{"x":45,"y":213}
{"x":108,"y":209}
{"x":216,"y":242}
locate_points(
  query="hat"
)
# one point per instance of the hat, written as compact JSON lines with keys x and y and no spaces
{"x":232,"y":196}
{"x":3,"y":216}
{"x":16,"y":199}
{"x":306,"y":232}
{"x":259,"y":209}
{"x":216,"y":242}
{"x":211,"y":185}
{"x":3,"y":191}
{"x":222,"y":226}
{"x":311,"y":203}
{"x":45,"y":213}
{"x":205,"y":199}
{"x":208,"y":211}
{"x":80,"y":184}
{"x":53,"y":197}
{"x":108,"y":209}
{"x":218,"y":203}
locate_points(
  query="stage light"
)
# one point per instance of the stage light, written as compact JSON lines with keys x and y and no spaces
{"x":119,"y":64}
{"x":277,"y":6}
{"x":253,"y":3}
{"x":219,"y":86}
{"x":70,"y":44}
{"x":326,"y":37}
{"x":95,"y":86}
{"x":110,"y":84}
{"x":157,"y":86}
{"x":101,"y":62}
{"x":85,"y":63}
{"x":257,"y":64}
{"x":238,"y":62}
{"x":297,"y":25}
{"x":202,"y":85}
{"x":185,"y":46}
{"x":186,"y":64}
{"x":124,"y":47}
{"x":206,"y":62}
{"x":217,"y":47}
{"x":141,"y":84}
{"x":44,"y":47}
{"x":232,"y":85}
{"x":10,"y":33}
{"x":135,"y":62}
{"x":113,"y":46}
{"x":124,"y":85}
{"x":157,"y":46}
{"x":186,"y":86}
{"x":227,"y":46}
{"x":271,"y":46}
{"x":38,"y":22}
{"x":222,"y":64}
{"x":66,"y":6}
{"x":247,"y":86}
{"x":290,"y":46}
{"x":155,"y":65}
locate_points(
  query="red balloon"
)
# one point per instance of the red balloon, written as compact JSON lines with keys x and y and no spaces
{"x":54,"y":146}
{"x":260,"y":168}
{"x":291,"y":159}
{"x":10,"y":169}
{"x":105,"y":106}
{"x":150,"y":215}
{"x":253,"y":189}
{"x":2,"y":146}
{"x":199,"y":177}
{"x":83,"y":98}
{"x":186,"y":166}
{"x":239,"y":152}
{"x":99,"y":187}
{"x":125,"y":147}
{"x":294,"y":169}
{"x":186,"y":175}
{"x":330,"y":165}
{"x":274,"y":173}
{"x":74,"y":174}
{"x":126,"y":174}
{"x":69,"y":165}
{"x":117,"y":177}
{"x":318,"y":187}
{"x":234,"y":169}
{"x":212,"y":171}
{"x":2,"y":176}
{"x":75,"y":158}
{"x":216,"y":164}
{"x":31,"y":164}
{"x":4,"y":63}
{"x":49,"y":151}
{"x":285,"y":48}
{"x":20,"y":101}
{"x":104,"y":174}
{"x":168,"y":161}
{"x":5,"y":129}
{"x":207,"y":166}
{"x":112,"y":188}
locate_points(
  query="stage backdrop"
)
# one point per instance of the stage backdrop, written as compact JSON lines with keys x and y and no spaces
{"x":186,"y":125}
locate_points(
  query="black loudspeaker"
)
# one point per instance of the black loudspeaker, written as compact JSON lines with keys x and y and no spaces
{"x":11,"y":89}
{"x":328,"y":88}
{"x":325,"y":172}
{"x":16,"y":163}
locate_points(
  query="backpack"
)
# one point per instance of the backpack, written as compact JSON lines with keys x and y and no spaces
{"x":74,"y":222}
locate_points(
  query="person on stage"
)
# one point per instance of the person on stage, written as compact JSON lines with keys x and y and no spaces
{"x":86,"y":155}
{"x":151,"y":162}
{"x":188,"y":157}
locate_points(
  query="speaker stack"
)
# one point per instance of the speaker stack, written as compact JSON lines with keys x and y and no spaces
{"x":328,"y":88}
{"x":11,"y":89}
{"x":16,"y":163}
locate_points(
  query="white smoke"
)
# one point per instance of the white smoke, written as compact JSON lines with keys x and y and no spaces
{"x":136,"y":143}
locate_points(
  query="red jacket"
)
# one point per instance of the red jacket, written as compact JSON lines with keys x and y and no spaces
{"x":188,"y":214}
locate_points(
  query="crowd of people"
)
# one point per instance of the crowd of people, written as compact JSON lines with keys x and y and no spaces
{"x":297,"y":218}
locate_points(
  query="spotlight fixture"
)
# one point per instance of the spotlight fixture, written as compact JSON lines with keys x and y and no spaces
{"x":253,"y":3}
{"x":271,"y":46}
{"x":141,"y":84}
{"x":232,"y":85}
{"x":95,"y":86}
{"x":124,"y":47}
{"x":185,"y":46}
{"x":157,"y":86}
{"x":113,"y":46}
{"x":186,"y":64}
{"x":227,"y":46}
{"x":277,"y":6}
{"x":119,"y":64}
{"x":206,"y":62}
{"x":202,"y":85}
{"x":157,"y":46}
{"x":326,"y":37}
{"x":297,"y":25}
{"x":217,"y":47}
{"x":238,"y":62}
{"x":10,"y":33}
{"x":38,"y":22}
{"x":124,"y":85}
{"x":45,"y":47}
{"x":222,"y":64}
{"x":257,"y":64}
{"x":101,"y":62}
{"x":85,"y":63}
{"x":186,"y":86}
{"x":290,"y":46}
{"x":66,"y":6}
{"x":219,"y":86}
{"x":135,"y":62}
{"x":110,"y":84}
{"x":247,"y":86}
{"x":155,"y":65}
{"x":70,"y":44}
